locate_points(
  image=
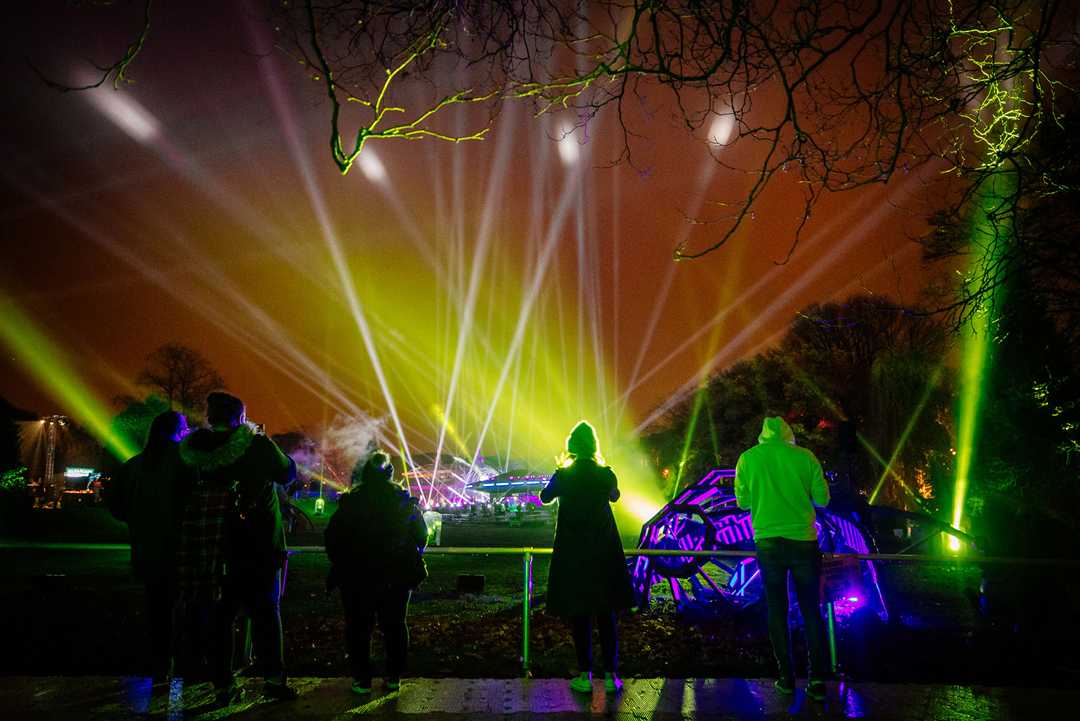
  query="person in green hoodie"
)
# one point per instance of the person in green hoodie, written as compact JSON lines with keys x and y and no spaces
{"x":231,"y":454}
{"x":780,"y":483}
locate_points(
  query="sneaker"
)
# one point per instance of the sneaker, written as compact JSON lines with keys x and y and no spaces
{"x":582,"y":683}
{"x":785,"y":686}
{"x":393,"y":683}
{"x":816,"y":690}
{"x":280,"y":691}
{"x":612,"y":683}
{"x":361,"y":685}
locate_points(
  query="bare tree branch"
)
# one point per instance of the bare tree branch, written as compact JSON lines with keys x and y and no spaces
{"x":117,"y":70}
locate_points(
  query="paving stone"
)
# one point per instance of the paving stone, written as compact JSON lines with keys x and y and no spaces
{"x":325,"y":699}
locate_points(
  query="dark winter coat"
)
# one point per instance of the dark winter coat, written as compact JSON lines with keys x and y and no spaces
{"x":588,"y":572}
{"x":250,"y":464}
{"x":148,"y":493}
{"x":376,"y":537}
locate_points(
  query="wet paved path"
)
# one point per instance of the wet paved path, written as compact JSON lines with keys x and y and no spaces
{"x":94,"y":698}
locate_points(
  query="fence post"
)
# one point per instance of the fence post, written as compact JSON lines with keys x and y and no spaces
{"x":830,"y":615}
{"x":526,"y":603}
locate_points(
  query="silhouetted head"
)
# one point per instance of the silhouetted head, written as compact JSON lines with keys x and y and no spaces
{"x":168,"y":427}
{"x":224,"y":410}
{"x":581,"y":443}
{"x":376,"y":469}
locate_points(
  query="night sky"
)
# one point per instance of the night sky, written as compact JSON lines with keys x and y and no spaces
{"x":214,"y":217}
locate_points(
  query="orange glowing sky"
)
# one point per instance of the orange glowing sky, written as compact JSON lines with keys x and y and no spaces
{"x":115,"y":245}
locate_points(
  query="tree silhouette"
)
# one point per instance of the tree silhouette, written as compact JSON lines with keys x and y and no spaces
{"x":180,"y":375}
{"x":836,"y":94}
{"x":828,"y":95}
{"x":862,"y":361}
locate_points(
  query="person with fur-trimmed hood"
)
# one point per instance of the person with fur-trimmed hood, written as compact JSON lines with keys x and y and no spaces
{"x":231,"y":454}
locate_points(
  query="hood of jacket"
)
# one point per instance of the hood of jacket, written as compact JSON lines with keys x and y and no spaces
{"x":776,"y":429}
{"x":383,"y":494}
{"x":208,"y":450}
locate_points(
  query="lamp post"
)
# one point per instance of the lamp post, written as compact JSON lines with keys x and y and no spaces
{"x":52,"y":425}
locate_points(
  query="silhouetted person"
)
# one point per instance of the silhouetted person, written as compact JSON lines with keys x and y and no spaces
{"x":375,"y":544}
{"x":232,"y":453}
{"x":779,"y":483}
{"x":148,"y":493}
{"x":588,"y":578}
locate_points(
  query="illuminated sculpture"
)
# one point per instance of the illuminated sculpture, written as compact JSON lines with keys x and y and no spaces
{"x":705,"y":517}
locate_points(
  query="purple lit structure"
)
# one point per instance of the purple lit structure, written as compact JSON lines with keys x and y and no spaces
{"x":705,"y":517}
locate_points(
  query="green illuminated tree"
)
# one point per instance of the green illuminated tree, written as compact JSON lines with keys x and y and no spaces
{"x":1025,"y":452}
{"x":133,"y":420}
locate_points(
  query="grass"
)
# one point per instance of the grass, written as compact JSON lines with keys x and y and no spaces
{"x":80,"y":612}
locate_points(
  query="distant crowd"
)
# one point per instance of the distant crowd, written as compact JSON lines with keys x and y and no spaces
{"x":207,"y":541}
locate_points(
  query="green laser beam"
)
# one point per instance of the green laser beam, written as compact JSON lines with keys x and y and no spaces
{"x":690,"y":428}
{"x":43,"y":360}
{"x":919,"y":407}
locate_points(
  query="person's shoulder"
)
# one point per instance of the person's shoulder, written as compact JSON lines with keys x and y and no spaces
{"x":751,"y":452}
{"x":348,"y":499}
{"x":132,"y":463}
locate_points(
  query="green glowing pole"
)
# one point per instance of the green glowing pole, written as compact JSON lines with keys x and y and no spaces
{"x":525,"y":608}
{"x":830,"y":616}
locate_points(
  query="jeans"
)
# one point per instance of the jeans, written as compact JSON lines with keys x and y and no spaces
{"x":204,"y":644}
{"x":581,"y":630}
{"x":776,"y":558}
{"x":389,"y":605}
{"x":258,"y":595}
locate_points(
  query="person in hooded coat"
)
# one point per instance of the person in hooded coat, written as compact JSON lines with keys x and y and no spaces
{"x":148,"y":493}
{"x":231,"y":454}
{"x":375,"y":542}
{"x":588,"y":578}
{"x":780,"y":483}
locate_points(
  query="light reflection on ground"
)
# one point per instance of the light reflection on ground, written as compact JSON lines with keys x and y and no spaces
{"x":60,"y":699}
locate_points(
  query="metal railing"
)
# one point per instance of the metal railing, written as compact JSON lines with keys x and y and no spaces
{"x":528,"y":552}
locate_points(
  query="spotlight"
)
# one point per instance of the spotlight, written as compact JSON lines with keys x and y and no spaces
{"x":569,"y":151}
{"x":723,"y":127}
{"x":372,"y":167}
